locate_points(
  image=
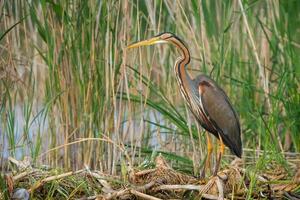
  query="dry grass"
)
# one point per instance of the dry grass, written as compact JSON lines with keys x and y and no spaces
{"x":160,"y":182}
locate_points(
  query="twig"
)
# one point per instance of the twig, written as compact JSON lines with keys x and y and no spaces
{"x":212,"y":197}
{"x":220,"y":187}
{"x":21,"y":165}
{"x":23,"y":174}
{"x":80,"y":140}
{"x":88,"y":198}
{"x":118,"y":194}
{"x":142,"y":195}
{"x":51,"y":178}
{"x":179,"y":187}
{"x":101,"y":179}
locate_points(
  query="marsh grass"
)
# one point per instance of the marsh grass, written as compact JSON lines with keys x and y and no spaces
{"x":66,"y":76}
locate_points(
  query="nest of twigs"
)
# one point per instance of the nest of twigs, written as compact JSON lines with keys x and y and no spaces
{"x":161,"y":182}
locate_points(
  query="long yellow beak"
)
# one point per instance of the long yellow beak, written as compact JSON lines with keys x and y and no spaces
{"x":151,"y":41}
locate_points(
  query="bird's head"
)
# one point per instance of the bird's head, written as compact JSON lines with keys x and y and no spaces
{"x":161,"y":38}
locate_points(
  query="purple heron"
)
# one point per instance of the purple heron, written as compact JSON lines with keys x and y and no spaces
{"x":206,"y":100}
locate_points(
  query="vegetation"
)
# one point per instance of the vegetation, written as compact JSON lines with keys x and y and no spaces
{"x":73,"y":96}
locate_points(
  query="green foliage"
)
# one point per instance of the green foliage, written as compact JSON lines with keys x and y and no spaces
{"x":4,"y":194}
{"x":66,"y":68}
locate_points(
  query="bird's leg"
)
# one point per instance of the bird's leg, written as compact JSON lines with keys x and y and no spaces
{"x":209,"y":151}
{"x":208,"y":157}
{"x":221,"y":152}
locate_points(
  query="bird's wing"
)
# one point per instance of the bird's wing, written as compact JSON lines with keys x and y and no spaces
{"x":220,"y":113}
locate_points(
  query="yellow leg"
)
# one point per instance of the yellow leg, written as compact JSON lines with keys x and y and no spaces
{"x":208,"y":157}
{"x":209,"y":151}
{"x":221,"y":152}
{"x":222,"y":148}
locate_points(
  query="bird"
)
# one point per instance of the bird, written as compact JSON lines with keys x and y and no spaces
{"x":207,"y":101}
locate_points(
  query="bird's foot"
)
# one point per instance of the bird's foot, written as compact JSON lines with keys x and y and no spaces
{"x":217,"y":174}
{"x":202,"y":178}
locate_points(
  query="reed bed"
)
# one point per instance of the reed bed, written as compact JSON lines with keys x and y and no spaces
{"x":72,"y":95}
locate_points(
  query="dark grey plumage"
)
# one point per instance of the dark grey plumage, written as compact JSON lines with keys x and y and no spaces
{"x":220,"y":113}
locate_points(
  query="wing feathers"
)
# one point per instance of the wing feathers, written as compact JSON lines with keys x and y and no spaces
{"x":219,"y":112}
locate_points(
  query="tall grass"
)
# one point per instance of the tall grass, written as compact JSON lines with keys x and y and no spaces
{"x":72,"y":95}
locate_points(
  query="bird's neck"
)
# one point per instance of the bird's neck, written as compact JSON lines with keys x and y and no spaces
{"x":184,"y":80}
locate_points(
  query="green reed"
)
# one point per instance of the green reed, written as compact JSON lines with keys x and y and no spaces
{"x":78,"y":81}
